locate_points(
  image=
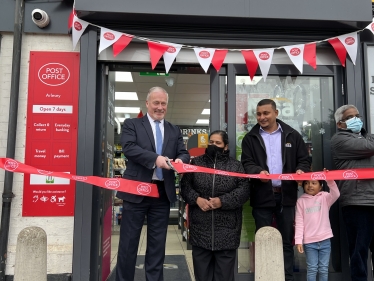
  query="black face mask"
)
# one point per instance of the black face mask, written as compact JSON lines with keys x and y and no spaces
{"x":212,"y":150}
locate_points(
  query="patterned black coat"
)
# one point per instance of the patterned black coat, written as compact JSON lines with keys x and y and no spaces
{"x":218,"y":229}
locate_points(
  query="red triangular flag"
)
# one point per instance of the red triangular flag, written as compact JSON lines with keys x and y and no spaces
{"x":250,"y":61}
{"x":121,"y":44}
{"x":71,"y":18}
{"x":218,"y":58}
{"x":156,"y":50}
{"x":140,"y":115}
{"x":310,"y":54}
{"x":339,"y":49}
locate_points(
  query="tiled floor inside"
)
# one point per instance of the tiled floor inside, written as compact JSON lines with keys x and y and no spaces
{"x":174,"y":246}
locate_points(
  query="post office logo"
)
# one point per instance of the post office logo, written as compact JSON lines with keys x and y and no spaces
{"x":10,"y":165}
{"x":171,"y":50}
{"x":264,"y":56}
{"x":54,"y":74}
{"x":349,"y":41}
{"x":285,"y":177}
{"x":318,"y":176}
{"x":109,"y":36}
{"x":372,"y":26}
{"x":79,"y":178}
{"x":189,"y":168}
{"x":350,"y":174}
{"x":78,"y":26}
{"x":44,"y":172}
{"x":112,"y":184}
{"x":144,"y":189}
{"x":295,"y":51}
{"x":204,"y":54}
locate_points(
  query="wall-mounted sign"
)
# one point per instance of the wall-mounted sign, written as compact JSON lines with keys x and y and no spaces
{"x":370,"y":85}
{"x":153,"y":74}
{"x":51,"y":133}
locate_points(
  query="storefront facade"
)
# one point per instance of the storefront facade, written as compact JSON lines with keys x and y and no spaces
{"x":306,"y":101}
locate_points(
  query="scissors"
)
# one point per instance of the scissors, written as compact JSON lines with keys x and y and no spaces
{"x":169,"y":164}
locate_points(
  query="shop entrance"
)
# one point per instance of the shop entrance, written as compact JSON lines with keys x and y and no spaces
{"x":229,"y":95}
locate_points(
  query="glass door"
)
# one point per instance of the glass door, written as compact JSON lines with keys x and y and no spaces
{"x":307,"y":103}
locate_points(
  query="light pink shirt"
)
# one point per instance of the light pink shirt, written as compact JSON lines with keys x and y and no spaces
{"x":312,"y":215}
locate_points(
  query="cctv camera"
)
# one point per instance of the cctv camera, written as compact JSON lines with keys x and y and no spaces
{"x":40,"y":18}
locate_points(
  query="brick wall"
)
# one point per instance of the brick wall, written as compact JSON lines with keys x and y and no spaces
{"x":59,"y":229}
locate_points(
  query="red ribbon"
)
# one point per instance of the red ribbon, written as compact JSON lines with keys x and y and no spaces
{"x":352,"y":174}
{"x":119,"y":184}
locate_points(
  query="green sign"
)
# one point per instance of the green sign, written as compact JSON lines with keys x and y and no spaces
{"x":153,"y":74}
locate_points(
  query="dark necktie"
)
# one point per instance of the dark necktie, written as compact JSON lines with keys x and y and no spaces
{"x":158,"y":148}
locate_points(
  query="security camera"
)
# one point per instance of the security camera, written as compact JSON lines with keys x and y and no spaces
{"x":40,"y":18}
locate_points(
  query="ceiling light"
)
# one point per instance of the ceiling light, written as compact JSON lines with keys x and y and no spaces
{"x":202,"y":121}
{"x":123,"y":77}
{"x":169,"y":81}
{"x":126,"y":109}
{"x":126,"y":96}
{"x":206,"y":111}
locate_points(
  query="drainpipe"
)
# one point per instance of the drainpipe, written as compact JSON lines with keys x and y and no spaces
{"x":12,"y":129}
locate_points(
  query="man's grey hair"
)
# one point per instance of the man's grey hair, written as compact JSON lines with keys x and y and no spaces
{"x":340,"y":111}
{"x":157,"y":89}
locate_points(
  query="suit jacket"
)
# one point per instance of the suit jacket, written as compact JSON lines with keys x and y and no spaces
{"x":139,"y":148}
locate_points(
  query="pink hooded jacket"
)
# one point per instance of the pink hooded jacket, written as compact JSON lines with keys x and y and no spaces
{"x":312,"y":215}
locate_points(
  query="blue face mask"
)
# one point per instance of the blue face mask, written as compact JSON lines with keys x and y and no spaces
{"x":354,"y":124}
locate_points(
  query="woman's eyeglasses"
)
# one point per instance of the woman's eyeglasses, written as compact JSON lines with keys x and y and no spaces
{"x":350,"y":117}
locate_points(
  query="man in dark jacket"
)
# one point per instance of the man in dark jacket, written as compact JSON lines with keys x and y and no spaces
{"x":353,"y":148}
{"x":273,"y":147}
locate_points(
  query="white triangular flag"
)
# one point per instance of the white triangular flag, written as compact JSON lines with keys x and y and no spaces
{"x":296,"y":54}
{"x":79,"y":26}
{"x":170,"y":54}
{"x":264,"y":58}
{"x":371,"y":27}
{"x":204,"y":56}
{"x":350,"y":43}
{"x":107,"y":38}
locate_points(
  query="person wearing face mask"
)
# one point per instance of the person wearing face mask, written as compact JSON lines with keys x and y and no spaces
{"x":353,"y":148}
{"x":215,"y":211}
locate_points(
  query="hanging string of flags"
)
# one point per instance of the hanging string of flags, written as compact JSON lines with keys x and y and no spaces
{"x":253,"y":58}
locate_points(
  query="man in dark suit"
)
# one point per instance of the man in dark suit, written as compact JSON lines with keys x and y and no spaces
{"x":146,"y":142}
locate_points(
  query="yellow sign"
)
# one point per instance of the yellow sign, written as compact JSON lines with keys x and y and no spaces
{"x":202,"y":140}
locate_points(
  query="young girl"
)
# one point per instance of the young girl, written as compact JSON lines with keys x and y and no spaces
{"x":313,"y":230}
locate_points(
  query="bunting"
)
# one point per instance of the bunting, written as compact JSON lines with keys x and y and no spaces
{"x":79,"y":26}
{"x":310,"y":55}
{"x":156,"y":50}
{"x":204,"y":56}
{"x":107,"y":38}
{"x":349,"y":41}
{"x":254,"y":58}
{"x":218,"y":58}
{"x":264,"y":58}
{"x":339,"y":49}
{"x":121,"y":44}
{"x":170,"y":54}
{"x":296,"y":55}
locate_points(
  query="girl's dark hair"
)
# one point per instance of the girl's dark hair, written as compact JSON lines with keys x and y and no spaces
{"x":223,"y":134}
{"x":320,"y":183}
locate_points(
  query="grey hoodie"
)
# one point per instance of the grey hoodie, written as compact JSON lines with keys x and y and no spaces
{"x":354,"y":151}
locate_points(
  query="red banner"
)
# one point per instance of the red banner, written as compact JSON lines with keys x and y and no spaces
{"x":119,"y":184}
{"x":352,"y":174}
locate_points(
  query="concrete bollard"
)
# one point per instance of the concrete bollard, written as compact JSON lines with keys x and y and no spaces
{"x":269,"y":265}
{"x":31,"y":255}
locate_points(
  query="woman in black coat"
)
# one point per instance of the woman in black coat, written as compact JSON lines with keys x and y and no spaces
{"x":215,"y":211}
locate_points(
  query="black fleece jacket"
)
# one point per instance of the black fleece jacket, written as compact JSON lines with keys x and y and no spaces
{"x":254,"y":160}
{"x":218,"y":229}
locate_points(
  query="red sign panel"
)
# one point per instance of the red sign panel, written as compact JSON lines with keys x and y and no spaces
{"x":51,"y":133}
